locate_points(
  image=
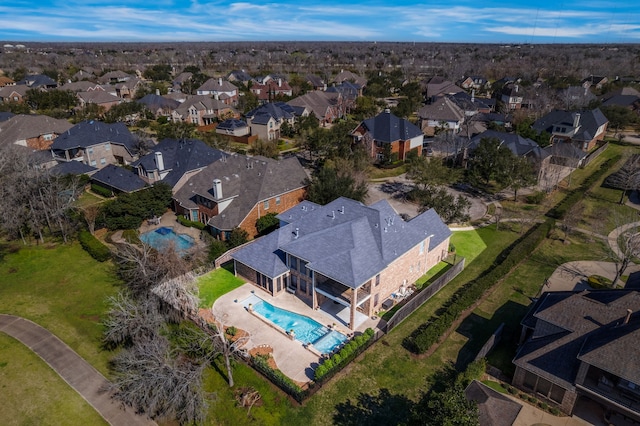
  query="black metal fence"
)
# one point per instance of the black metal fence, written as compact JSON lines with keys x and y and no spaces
{"x":418,"y":298}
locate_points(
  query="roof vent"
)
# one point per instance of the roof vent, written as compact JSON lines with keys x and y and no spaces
{"x":342,"y":210}
{"x":297,"y":233}
{"x":333,"y":214}
{"x":628,"y":317}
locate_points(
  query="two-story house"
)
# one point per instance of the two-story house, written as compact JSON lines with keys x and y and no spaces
{"x":96,"y":144}
{"x":234,"y":191}
{"x":35,"y":132}
{"x":344,"y":253}
{"x":583,"y":344}
{"x":441,"y":115}
{"x":266,"y":120}
{"x":387,"y":133}
{"x":270,"y":90}
{"x":583,"y":129}
{"x":203,"y":110}
{"x":220,"y":89}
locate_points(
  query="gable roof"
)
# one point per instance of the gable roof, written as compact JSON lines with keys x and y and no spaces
{"x":155,"y":102}
{"x":246,"y":181}
{"x":38,"y":80}
{"x":494,"y":409}
{"x":387,"y":128}
{"x":442,"y":109}
{"x":343,"y":240}
{"x":72,"y":168}
{"x":586,"y":325}
{"x":19,"y":128}
{"x":98,"y":97}
{"x":201,"y":103}
{"x":316,"y":101}
{"x":231,"y":124}
{"x":277,"y":110}
{"x":517,"y":144}
{"x":349,"y":76}
{"x":439,"y":86}
{"x":93,"y":132}
{"x":179,"y":157}
{"x":589,"y":122}
{"x":118,"y":178}
{"x":216,"y":85}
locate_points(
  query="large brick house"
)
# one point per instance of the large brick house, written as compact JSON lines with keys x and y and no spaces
{"x":96,"y":144}
{"x":35,"y":132}
{"x":234,"y":191}
{"x":583,"y":129}
{"x":387,"y":129}
{"x":344,"y":253}
{"x":583,"y":344}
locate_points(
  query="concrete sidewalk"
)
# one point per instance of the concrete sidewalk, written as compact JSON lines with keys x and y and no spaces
{"x":572,"y":276}
{"x":73,"y":369}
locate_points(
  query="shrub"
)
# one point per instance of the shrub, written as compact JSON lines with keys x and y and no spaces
{"x":344,"y":356}
{"x":278,"y":378}
{"x":191,"y":223}
{"x":511,"y":390}
{"x":598,"y":281}
{"x":101,"y":190}
{"x":554,"y":411}
{"x":94,"y":247}
{"x":131,"y":236}
{"x":232,"y":331}
{"x":536,"y":198}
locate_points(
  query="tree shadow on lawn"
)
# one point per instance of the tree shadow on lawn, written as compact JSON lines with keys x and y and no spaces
{"x":7,"y":248}
{"x":374,"y":409}
{"x":478,"y":330}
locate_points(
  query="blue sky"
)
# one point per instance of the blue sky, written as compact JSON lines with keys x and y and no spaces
{"x":486,"y":21}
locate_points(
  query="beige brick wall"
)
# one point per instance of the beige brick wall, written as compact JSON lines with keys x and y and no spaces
{"x":287,"y":201}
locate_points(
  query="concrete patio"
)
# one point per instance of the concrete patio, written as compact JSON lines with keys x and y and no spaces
{"x":292,"y":358}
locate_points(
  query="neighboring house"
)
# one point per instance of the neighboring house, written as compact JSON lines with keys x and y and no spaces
{"x":584,"y":129}
{"x":583,"y":344}
{"x":471,"y":104}
{"x":473,"y":82}
{"x":174,"y":162}
{"x":38,"y":81}
{"x":100,"y":98}
{"x":386,"y":129}
{"x":240,"y":76}
{"x":266,"y":120}
{"x":519,"y":146}
{"x":270,"y":90}
{"x":511,"y":96}
{"x":344,"y":254}
{"x":233,"y":127}
{"x":235,"y":191}
{"x":220,"y":90}
{"x":118,"y":179}
{"x":494,"y":408}
{"x":36,"y":132}
{"x":5,"y":115}
{"x":316,"y":82}
{"x":349,"y":76}
{"x":15,"y":93}
{"x":326,"y":106}
{"x":442,"y":114}
{"x":114,"y":77}
{"x":438,"y":86}
{"x":95,"y":143}
{"x":159,"y":105}
{"x":75,"y":168}
{"x":594,"y":81}
{"x":203,"y":110}
{"x":6,"y":81}
{"x":576,"y":97}
{"x":180,"y":81}
{"x":84,"y":74}
{"x":627,"y":97}
{"x":127,"y":89}
{"x":81,"y":86}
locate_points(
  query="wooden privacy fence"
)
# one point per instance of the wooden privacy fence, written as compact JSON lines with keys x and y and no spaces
{"x":421,"y":297}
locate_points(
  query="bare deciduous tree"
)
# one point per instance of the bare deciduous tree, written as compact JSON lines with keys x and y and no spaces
{"x":130,"y":320}
{"x":227,"y":347}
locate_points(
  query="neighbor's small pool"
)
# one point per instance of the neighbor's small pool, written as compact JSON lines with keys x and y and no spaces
{"x":307,"y":330}
{"x":163,"y":236}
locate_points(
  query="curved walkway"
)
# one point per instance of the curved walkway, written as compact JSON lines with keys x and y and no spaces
{"x":73,"y":369}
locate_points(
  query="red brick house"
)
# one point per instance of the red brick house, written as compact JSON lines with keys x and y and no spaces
{"x":387,"y":129}
{"x":234,"y":191}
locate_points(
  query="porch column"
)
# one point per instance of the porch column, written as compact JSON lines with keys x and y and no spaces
{"x":314,"y":296}
{"x":354,"y":301}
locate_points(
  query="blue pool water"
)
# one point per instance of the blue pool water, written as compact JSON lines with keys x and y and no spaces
{"x":161,"y":237}
{"x":307,"y":330}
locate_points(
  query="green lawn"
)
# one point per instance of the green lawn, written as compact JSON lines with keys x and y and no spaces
{"x":216,"y":283}
{"x":33,"y":394}
{"x":61,"y":288}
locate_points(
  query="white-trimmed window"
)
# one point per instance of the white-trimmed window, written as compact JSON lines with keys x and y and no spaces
{"x":266,"y":204}
{"x":107,"y":146}
{"x":277,"y":201}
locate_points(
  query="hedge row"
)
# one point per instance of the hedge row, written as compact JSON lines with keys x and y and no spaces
{"x":344,"y":356}
{"x":191,"y":223}
{"x":278,"y":378}
{"x":577,"y":194}
{"x":101,"y":190}
{"x":427,"y":334}
{"x":94,"y":247}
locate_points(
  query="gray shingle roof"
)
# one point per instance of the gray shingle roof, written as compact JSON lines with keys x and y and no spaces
{"x":21,"y":127}
{"x":586,"y":325}
{"x":118,"y":178}
{"x":316,"y":101}
{"x":155,"y":102}
{"x":179,"y":157}
{"x":264,"y":113}
{"x":72,"y":168}
{"x":344,"y":240}
{"x":232,"y":124}
{"x":246,"y":181}
{"x":590,"y":121}
{"x":90,"y":133}
{"x":517,"y":144}
{"x":494,"y":409}
{"x":386,"y":127}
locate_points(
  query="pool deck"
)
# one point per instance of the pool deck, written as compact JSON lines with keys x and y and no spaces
{"x":297,"y":362}
{"x":170,"y":220}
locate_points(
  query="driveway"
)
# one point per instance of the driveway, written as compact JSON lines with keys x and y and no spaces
{"x":74,"y":370}
{"x":394,"y":190}
{"x":573,"y":275}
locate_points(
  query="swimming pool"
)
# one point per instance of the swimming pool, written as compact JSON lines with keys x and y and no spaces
{"x":163,"y":236}
{"x":307,"y":330}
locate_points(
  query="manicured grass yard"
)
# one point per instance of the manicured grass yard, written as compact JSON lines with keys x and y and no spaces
{"x":33,"y":394}
{"x":216,"y":283}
